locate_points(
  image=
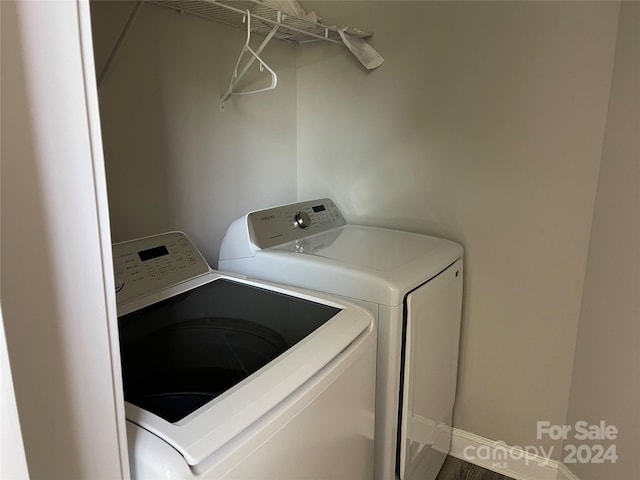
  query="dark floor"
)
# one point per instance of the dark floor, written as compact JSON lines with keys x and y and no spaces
{"x":455,"y":469}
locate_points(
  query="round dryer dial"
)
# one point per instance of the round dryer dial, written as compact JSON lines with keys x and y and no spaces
{"x":302,"y":220}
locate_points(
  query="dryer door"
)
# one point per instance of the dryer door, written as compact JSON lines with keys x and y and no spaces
{"x":432,"y":331}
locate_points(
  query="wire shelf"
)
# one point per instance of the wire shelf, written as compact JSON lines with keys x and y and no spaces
{"x":291,"y":29}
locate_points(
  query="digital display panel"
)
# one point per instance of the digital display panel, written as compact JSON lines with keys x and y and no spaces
{"x":152,"y":253}
{"x":319,"y":208}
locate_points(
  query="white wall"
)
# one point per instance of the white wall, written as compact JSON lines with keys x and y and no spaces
{"x":57,"y":295}
{"x":606,"y":381}
{"x":13,"y":462}
{"x":485,"y":125}
{"x":173,"y":160}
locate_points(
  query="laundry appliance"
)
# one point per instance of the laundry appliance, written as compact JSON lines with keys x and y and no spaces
{"x":412,"y":283}
{"x":230,"y":378}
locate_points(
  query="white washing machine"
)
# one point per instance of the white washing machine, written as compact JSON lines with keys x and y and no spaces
{"x":412,"y":283}
{"x":230,"y":378}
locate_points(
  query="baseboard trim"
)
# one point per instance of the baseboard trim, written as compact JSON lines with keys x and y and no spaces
{"x":499,"y":457}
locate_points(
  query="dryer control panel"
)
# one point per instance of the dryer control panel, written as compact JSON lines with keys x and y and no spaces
{"x":148,"y":264}
{"x":287,"y":223}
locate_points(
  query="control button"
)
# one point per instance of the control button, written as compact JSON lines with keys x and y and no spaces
{"x":302,"y":220}
{"x":189,"y":254}
{"x":183,"y":242}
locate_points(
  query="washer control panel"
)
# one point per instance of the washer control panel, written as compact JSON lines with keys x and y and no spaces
{"x":148,"y":264}
{"x":287,"y":223}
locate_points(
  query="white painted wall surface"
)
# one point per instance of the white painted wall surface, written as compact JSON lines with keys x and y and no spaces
{"x":484,"y":125}
{"x":173,"y":160}
{"x":57,"y":296}
{"x":13,"y":463}
{"x":606,"y":378}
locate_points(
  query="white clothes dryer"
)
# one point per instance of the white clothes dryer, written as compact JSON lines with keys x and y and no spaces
{"x":227,"y":378}
{"x":412,"y":283}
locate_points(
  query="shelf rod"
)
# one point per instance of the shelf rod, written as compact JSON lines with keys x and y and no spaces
{"x":263,"y":19}
{"x":289,"y":27}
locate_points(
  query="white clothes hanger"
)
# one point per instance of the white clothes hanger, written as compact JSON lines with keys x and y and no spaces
{"x":254,"y":55}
